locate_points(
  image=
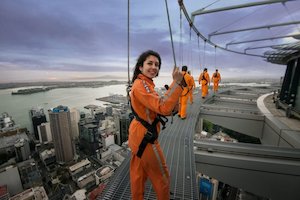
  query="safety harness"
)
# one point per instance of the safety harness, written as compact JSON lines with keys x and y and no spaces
{"x":152,"y":133}
{"x":203,"y":78}
{"x":186,"y":86}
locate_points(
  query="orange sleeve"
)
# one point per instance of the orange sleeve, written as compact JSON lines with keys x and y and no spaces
{"x":143,"y":99}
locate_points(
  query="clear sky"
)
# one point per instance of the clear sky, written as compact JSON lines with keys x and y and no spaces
{"x":79,"y":39}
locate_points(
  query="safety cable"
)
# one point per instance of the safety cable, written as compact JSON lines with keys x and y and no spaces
{"x":204,"y":50}
{"x":180,"y":42}
{"x":215,"y":57}
{"x":190,"y":49}
{"x":170,"y":29}
{"x":238,"y":20}
{"x":291,"y":16}
{"x":199,"y":53}
{"x":210,"y":4}
{"x":128,"y":49}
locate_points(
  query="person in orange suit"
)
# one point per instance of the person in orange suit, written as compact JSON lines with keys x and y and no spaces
{"x":216,"y":78}
{"x":147,"y":159}
{"x":191,"y":98}
{"x":185,"y":93}
{"x":204,"y":81}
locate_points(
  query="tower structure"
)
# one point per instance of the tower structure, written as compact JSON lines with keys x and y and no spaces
{"x":60,"y":124}
{"x":38,"y":117}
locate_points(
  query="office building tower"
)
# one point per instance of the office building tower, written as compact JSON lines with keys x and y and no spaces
{"x":22,"y":149}
{"x":89,"y":137}
{"x":45,"y":134}
{"x":60,"y":123}
{"x":124,"y":123}
{"x":109,"y":110}
{"x":48,"y":158}
{"x":38,"y":117}
{"x":75,"y":117}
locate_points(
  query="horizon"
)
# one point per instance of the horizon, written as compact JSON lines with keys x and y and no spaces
{"x":124,"y":78}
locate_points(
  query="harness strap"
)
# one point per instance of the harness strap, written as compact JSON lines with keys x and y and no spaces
{"x":203,"y":78}
{"x":151,"y":134}
{"x":186,"y":86}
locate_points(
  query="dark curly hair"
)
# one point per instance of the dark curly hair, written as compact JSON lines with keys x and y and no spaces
{"x":141,"y":60}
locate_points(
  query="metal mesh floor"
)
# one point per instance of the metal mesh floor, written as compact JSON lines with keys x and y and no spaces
{"x":177,"y":143}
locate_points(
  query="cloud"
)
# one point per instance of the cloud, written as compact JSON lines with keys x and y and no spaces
{"x":78,"y":36}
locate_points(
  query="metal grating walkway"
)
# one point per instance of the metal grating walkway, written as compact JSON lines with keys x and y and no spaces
{"x":177,"y":143}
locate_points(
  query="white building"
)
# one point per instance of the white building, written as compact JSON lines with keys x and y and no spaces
{"x":37,"y":193}
{"x":103,"y":173}
{"x":44,"y":132}
{"x":80,"y":166}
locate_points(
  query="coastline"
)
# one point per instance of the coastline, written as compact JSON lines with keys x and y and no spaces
{"x":37,"y":87}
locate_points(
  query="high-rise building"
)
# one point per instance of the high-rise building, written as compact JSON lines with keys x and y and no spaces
{"x":22,"y":149}
{"x":44,"y":131}
{"x":109,"y":110}
{"x":38,"y":117}
{"x":75,"y":117}
{"x":124,"y":123}
{"x":89,"y":137}
{"x":60,"y":123}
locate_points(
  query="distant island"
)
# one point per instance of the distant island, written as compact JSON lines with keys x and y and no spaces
{"x":46,"y":86}
{"x":114,"y":99}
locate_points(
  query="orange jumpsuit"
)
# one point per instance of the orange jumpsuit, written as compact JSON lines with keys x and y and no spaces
{"x":216,"y":78}
{"x":152,"y":164}
{"x":192,"y":90}
{"x":185,"y":95}
{"x":204,"y":81}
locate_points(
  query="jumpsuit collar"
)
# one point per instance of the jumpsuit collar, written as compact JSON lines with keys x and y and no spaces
{"x":145,"y":78}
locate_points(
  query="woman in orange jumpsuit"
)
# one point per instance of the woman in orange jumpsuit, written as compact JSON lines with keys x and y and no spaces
{"x":216,"y":78}
{"x":147,"y":104}
{"x":205,"y":82}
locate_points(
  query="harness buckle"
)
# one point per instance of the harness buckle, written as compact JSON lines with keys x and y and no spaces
{"x":149,"y":136}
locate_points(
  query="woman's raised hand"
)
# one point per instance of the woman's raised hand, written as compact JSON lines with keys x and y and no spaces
{"x":177,"y":75}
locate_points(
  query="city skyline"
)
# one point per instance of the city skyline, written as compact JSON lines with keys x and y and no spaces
{"x":75,"y":40}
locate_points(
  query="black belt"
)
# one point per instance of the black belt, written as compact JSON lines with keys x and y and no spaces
{"x":148,"y":138}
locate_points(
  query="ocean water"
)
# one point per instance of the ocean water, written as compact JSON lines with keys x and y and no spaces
{"x":18,"y":106}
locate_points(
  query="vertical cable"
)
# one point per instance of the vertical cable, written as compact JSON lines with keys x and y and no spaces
{"x":199,"y":53}
{"x":181,"y":42}
{"x":128,"y":50}
{"x":191,"y":49}
{"x":215,"y":57}
{"x":170,"y":29}
{"x":128,"y":40}
{"x":204,"y":51}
